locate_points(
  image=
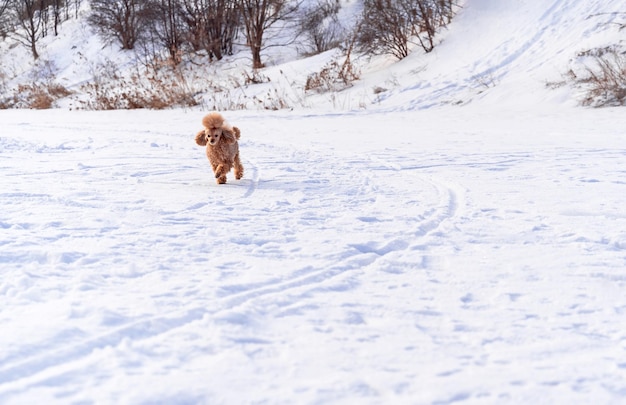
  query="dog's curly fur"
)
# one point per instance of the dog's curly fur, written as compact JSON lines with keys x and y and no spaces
{"x":222,"y":148}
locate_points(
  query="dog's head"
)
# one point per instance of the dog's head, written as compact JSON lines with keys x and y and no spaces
{"x":212,"y":135}
{"x":213,"y":127}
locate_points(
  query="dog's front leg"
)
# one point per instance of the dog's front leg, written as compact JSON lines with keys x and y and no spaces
{"x":219,"y":171}
{"x":220,"y":174}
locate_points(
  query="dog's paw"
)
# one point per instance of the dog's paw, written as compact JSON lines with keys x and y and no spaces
{"x":221,"y":180}
{"x":219,"y":171}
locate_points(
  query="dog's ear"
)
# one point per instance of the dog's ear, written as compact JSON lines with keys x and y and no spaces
{"x":228,"y":135}
{"x":237,"y":132}
{"x":201,"y":138}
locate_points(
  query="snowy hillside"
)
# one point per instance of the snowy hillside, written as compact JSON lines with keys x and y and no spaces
{"x":507,"y":53}
{"x":458,"y":236}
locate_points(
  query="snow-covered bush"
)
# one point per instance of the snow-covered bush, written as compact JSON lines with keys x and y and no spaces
{"x":335,"y":76}
{"x":601,"y":75}
{"x":605,"y":80}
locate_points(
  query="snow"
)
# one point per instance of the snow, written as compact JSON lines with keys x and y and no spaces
{"x":419,"y":251}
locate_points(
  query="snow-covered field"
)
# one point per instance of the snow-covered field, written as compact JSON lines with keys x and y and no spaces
{"x":410,"y":253}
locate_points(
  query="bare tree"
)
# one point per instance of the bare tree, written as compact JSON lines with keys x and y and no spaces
{"x":320,"y":27}
{"x":28,"y":15}
{"x":427,"y":17}
{"x":121,"y":19}
{"x":391,"y":26}
{"x":166,"y":25}
{"x":48,"y":9}
{"x":230,"y":18}
{"x":57,"y":6}
{"x":212,"y":25}
{"x":445,"y":11}
{"x":385,"y":29}
{"x":77,"y":4}
{"x":258,"y":17}
{"x":4,"y":11}
{"x":4,"y":5}
{"x":193,"y":14}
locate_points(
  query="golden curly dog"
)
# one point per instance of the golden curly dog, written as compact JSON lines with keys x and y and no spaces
{"x":222,"y":147}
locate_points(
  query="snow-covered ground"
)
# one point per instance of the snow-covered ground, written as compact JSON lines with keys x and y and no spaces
{"x":460,"y":241}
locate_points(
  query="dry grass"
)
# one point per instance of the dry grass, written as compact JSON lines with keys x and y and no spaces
{"x":37,"y":96}
{"x":154,"y":88}
{"x":41,"y":92}
{"x":333,"y":77}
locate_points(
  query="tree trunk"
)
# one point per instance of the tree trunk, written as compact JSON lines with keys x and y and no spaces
{"x":256,"y":57}
{"x":33,"y":49}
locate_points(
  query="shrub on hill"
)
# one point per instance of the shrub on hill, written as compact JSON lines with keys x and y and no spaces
{"x":605,"y":81}
{"x":600,"y":72}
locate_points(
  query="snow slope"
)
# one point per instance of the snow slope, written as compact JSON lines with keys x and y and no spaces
{"x":505,"y":52}
{"x":398,"y":255}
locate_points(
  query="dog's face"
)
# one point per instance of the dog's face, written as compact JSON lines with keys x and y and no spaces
{"x":212,"y":135}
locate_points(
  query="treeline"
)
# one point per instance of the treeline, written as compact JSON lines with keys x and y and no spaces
{"x":30,"y":20}
{"x":181,"y":27}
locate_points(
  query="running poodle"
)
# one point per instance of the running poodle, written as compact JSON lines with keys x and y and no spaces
{"x":222,"y":147}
